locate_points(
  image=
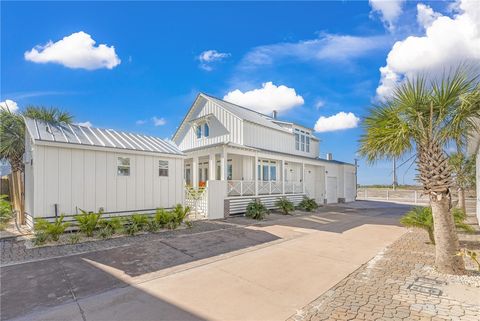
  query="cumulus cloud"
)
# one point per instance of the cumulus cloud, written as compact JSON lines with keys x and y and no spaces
{"x":340,"y":121}
{"x":266,"y":99}
{"x":325,"y":48}
{"x":9,"y":105}
{"x":389,"y":11}
{"x":85,"y":124}
{"x":208,"y":57}
{"x":158,"y":121}
{"x":426,"y":16}
{"x":448,"y":42}
{"x":77,"y":50}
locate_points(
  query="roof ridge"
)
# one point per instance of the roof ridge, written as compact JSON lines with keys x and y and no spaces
{"x":246,"y":108}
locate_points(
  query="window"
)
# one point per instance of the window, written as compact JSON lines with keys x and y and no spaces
{"x":307,"y":144}
{"x":302,"y":140}
{"x":297,"y":141}
{"x":123,"y":166}
{"x":303,"y":143}
{"x":229,"y":170}
{"x":199,"y":131}
{"x":162,"y":168}
{"x":267,"y":170}
{"x":188,"y":179}
{"x":206,"y":130}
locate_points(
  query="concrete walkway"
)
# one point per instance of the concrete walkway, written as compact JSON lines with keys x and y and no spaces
{"x":262,"y":272}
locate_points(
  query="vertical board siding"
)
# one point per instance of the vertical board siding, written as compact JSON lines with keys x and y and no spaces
{"x":232,"y":124}
{"x":87,"y":179}
{"x":270,"y":139}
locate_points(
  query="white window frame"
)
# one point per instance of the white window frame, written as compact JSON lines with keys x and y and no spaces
{"x":162,"y":166}
{"x":123,"y":166}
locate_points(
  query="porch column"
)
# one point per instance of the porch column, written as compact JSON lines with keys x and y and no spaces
{"x":223,"y":164}
{"x":211,"y":166}
{"x":195,"y":171}
{"x":283,"y":176}
{"x":255,"y":173}
{"x":303,"y":178}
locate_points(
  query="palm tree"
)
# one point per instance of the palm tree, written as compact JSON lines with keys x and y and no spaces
{"x":463,"y":170}
{"x":424,"y":117}
{"x":12,"y":144}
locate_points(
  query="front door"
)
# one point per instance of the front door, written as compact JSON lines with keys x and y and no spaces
{"x":332,"y":190}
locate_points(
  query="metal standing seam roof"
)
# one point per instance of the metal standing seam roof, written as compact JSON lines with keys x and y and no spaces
{"x":99,"y":137}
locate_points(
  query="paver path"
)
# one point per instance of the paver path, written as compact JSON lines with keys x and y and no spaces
{"x":265,"y":271}
{"x":399,"y":284}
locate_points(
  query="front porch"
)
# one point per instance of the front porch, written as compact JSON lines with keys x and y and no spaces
{"x":245,"y":171}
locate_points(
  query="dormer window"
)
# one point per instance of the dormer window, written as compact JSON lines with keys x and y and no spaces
{"x":206,"y":130}
{"x":199,"y":131}
{"x":302,"y":140}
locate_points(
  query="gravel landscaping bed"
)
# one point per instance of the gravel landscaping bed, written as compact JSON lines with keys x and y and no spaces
{"x":400,"y":284}
{"x":14,"y":251}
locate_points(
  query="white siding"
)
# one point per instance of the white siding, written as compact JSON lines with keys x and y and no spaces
{"x":87,"y":179}
{"x":274,"y":140}
{"x":224,"y":127}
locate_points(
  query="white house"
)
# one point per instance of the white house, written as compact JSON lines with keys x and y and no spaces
{"x":72,"y":167}
{"x":240,"y":154}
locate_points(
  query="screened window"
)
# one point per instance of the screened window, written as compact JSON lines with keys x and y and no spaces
{"x":307,"y":144}
{"x":297,"y":141}
{"x":206,"y":130}
{"x":303,"y":143}
{"x":162,"y":168}
{"x":199,"y":131}
{"x":123,"y":166}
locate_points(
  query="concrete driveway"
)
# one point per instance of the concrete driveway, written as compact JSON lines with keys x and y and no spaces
{"x":265,"y":271}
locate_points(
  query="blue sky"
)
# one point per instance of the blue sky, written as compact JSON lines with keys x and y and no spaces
{"x":151,"y":67}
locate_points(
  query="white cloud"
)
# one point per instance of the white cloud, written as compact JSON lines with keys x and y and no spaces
{"x":9,"y":105}
{"x":325,"y":48}
{"x":319,"y":104}
{"x":141,"y":122}
{"x":266,"y":99}
{"x":158,"y":121}
{"x":448,"y":42}
{"x":208,"y":57}
{"x":336,"y":122}
{"x":426,"y":16}
{"x":389,"y":11}
{"x":75,"y":51}
{"x":85,"y":124}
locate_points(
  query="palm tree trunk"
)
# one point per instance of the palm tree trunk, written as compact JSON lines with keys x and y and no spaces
{"x":461,"y":199}
{"x":446,"y":240}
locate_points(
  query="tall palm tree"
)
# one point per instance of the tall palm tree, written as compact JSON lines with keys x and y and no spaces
{"x":424,"y":117}
{"x":12,"y":144}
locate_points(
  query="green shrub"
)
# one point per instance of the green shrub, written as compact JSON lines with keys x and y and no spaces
{"x":52,"y":230}
{"x":162,"y":217}
{"x":284,"y":205}
{"x":135,"y":223}
{"x":6,"y":212}
{"x":308,"y":204}
{"x":172,"y":225}
{"x":74,"y":238}
{"x":114,"y":224}
{"x":153,"y":225}
{"x":88,"y":222}
{"x":105,"y":232}
{"x":179,"y":213}
{"x":189,"y":224}
{"x":256,"y":210}
{"x":421,"y":217}
{"x":40,"y":238}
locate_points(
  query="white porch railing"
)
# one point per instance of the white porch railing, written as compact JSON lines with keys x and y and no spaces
{"x":247,"y":188}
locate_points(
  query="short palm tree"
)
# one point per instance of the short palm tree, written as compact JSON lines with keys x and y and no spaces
{"x":424,"y":117}
{"x":463,"y":170}
{"x":12,"y":143}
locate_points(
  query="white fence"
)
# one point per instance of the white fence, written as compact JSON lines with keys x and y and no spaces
{"x":402,"y":196}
